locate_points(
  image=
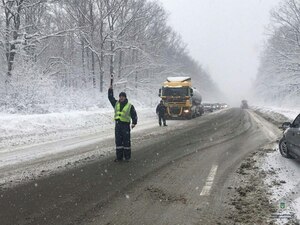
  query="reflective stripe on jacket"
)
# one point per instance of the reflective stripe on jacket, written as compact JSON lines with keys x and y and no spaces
{"x":123,"y":115}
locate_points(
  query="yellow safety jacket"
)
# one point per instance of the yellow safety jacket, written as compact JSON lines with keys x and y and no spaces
{"x":123,"y":115}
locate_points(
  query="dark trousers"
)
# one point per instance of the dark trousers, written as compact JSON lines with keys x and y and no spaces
{"x":161,"y":118}
{"x":122,"y":137}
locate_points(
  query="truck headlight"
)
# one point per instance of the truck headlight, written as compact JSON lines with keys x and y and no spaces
{"x":186,"y":111}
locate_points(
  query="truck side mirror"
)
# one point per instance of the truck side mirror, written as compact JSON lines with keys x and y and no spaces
{"x":159,"y":92}
{"x":192,"y":92}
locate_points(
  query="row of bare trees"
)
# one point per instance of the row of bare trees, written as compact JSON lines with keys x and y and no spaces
{"x":82,"y":45}
{"x":278,"y":79}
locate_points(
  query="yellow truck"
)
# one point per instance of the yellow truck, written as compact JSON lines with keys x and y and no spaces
{"x":180,"y":98}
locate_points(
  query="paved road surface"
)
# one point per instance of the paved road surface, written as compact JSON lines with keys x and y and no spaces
{"x":176,"y":176}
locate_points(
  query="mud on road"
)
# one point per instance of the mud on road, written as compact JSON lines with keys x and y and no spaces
{"x":250,"y":203}
{"x":252,"y":199}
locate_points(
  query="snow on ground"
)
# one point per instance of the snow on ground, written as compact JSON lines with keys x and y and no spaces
{"x":20,"y":130}
{"x":63,"y":139}
{"x":283,"y":175}
{"x":57,"y":141}
{"x":284,"y":182}
{"x":27,"y":137}
{"x":296,"y":205}
{"x":272,"y":111}
{"x":27,"y":133}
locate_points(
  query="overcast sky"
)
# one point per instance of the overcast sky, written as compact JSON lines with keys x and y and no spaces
{"x":225,"y":36}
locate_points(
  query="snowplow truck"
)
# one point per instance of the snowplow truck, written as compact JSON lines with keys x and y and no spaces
{"x":181,"y":99}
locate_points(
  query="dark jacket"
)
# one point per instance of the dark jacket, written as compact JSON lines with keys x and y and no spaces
{"x":113,"y":102}
{"x":161,"y":109}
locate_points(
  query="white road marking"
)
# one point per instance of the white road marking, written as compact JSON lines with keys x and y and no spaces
{"x":209,"y":181}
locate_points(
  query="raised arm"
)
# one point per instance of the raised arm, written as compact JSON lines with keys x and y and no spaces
{"x":111,"y":97}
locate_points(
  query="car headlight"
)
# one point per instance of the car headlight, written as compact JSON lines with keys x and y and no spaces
{"x":186,"y":111}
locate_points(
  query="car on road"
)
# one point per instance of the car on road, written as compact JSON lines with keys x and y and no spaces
{"x":216,"y":106}
{"x":289,"y":144}
{"x":207,"y":107}
{"x":224,"y":105}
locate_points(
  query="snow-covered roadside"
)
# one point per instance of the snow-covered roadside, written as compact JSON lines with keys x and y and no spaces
{"x":20,"y":130}
{"x":57,"y":141}
{"x":38,"y":134}
{"x":49,"y":143}
{"x":276,"y":112}
{"x":284,"y":181}
{"x":282,"y":175}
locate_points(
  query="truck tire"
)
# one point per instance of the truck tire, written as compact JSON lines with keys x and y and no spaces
{"x":189,"y":117}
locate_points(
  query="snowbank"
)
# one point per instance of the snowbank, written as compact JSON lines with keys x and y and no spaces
{"x":282,"y":174}
{"x":17,"y":130}
{"x":274,"y":111}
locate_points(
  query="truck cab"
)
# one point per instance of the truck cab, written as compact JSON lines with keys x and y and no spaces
{"x":180,"y":98}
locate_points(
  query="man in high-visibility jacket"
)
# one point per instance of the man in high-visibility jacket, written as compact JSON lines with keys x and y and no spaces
{"x":124,"y":113}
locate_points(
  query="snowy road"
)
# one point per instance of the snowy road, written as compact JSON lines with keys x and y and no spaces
{"x":183,"y":173}
{"x":64,"y":146}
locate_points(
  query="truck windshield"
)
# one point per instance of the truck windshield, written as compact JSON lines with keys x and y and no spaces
{"x":175,"y":91}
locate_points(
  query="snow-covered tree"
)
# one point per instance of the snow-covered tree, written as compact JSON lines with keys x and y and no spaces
{"x":278,"y":78}
{"x":75,"y":47}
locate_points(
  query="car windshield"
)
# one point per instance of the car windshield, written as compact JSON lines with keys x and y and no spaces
{"x":296,"y":122}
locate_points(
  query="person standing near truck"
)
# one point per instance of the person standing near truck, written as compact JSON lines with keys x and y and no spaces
{"x":124,"y":113}
{"x":161,"y":110}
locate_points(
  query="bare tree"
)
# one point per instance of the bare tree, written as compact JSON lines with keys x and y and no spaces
{"x":279,"y":72}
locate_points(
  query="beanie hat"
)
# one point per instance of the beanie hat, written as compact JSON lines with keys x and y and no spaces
{"x":123,"y":94}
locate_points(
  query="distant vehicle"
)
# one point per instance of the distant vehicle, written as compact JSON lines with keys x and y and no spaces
{"x":244,"y":104}
{"x":216,"y":106}
{"x":207,"y":107}
{"x":289,"y":144}
{"x":181,"y":99}
{"x":224,"y":106}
